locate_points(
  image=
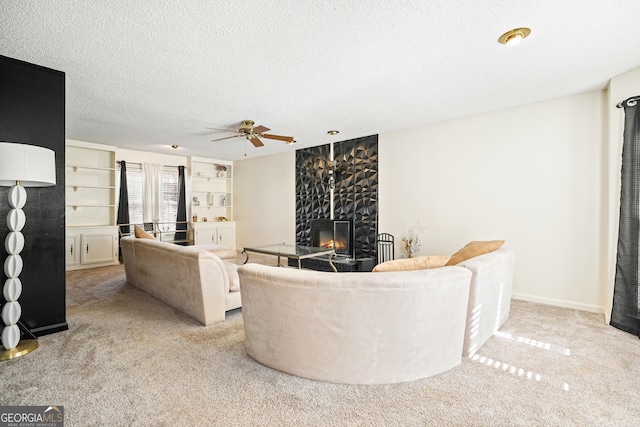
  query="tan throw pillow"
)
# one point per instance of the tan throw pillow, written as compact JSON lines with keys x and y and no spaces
{"x":473,"y":249}
{"x":140,"y":233}
{"x":417,"y":263}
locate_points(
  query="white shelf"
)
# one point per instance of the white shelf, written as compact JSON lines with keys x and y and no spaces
{"x":222,"y":193}
{"x":209,"y":178}
{"x":90,"y":184}
{"x":210,"y":189}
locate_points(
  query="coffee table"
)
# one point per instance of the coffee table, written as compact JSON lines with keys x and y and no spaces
{"x":291,"y":251}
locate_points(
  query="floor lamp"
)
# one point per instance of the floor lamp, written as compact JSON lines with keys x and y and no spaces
{"x":21,"y":166}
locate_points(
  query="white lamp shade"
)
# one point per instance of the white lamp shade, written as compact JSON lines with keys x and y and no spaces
{"x":31,"y":165}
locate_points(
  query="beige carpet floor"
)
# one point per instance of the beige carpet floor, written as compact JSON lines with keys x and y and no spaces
{"x":131,"y":360}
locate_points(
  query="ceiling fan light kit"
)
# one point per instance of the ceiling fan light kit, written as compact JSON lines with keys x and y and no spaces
{"x":249,"y":131}
{"x":515,"y":36}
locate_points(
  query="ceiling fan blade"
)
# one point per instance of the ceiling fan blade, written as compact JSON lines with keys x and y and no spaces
{"x":226,"y":137}
{"x":260,"y":129}
{"x":224,"y":130}
{"x":256,"y":142}
{"x":278,"y":137}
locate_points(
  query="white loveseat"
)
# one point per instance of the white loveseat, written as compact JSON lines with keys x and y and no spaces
{"x":191,"y":279}
{"x":374,"y":328}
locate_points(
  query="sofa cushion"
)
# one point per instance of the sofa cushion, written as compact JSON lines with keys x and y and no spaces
{"x":222,"y":252}
{"x":140,"y":233}
{"x":417,"y":263}
{"x":234,"y":280}
{"x":473,"y":249}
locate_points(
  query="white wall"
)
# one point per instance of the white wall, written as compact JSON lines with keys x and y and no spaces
{"x":265,"y":200}
{"x":134,"y":156}
{"x":530,"y":175}
{"x":621,"y":87}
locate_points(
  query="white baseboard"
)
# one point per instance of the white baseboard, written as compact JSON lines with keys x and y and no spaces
{"x":559,"y":303}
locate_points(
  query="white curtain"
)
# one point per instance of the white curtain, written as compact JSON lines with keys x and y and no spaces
{"x":152,"y":192}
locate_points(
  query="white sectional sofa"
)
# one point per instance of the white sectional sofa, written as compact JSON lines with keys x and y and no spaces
{"x":191,"y":279}
{"x":374,"y":328}
{"x":489,"y":296}
{"x":355,"y":328}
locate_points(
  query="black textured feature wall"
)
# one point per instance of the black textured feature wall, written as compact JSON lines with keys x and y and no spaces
{"x":32,"y":112}
{"x":355,"y":194}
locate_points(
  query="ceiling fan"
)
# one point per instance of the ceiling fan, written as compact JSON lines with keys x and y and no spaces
{"x":253,"y":134}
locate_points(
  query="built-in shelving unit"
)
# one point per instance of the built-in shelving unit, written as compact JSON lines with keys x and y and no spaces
{"x":90,"y":199}
{"x":211,"y":188}
{"x":212,"y":201}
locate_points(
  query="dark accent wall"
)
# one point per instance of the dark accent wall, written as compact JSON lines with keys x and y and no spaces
{"x":32,"y":112}
{"x":355,"y":195}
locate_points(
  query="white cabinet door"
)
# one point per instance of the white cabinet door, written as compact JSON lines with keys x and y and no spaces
{"x":205,"y":236}
{"x":227,"y":236}
{"x":91,"y":247}
{"x":72,"y":249}
{"x":98,"y":248}
{"x":215,"y":233}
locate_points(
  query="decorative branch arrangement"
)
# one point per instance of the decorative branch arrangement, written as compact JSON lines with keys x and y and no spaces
{"x":413,"y":240}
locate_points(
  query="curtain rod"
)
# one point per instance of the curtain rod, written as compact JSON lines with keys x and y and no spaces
{"x":633,"y":99}
{"x":136,"y":163}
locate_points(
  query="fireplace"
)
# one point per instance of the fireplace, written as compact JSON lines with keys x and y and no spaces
{"x":333,"y":234}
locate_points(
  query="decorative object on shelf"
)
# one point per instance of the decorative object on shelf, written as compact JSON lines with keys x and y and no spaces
{"x":223,"y":200}
{"x":195,"y":218}
{"x":222,"y":170}
{"x":21,"y":166}
{"x":210,"y":199}
{"x":204,"y":219}
{"x":221,"y":219}
{"x":195,"y":200}
{"x":413,"y":240}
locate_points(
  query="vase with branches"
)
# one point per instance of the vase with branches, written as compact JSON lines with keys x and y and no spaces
{"x":413,"y":240}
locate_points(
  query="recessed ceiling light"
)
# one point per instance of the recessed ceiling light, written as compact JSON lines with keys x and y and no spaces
{"x":333,"y":132}
{"x":175,"y":147}
{"x":515,"y":36}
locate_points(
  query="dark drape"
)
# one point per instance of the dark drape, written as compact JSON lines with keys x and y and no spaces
{"x":181,"y":218}
{"x":123,"y":206}
{"x":626,"y":307}
{"x":123,"y":200}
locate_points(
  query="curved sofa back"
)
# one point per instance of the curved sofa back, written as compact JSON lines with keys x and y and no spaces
{"x":190,"y":279}
{"x":355,"y":328}
{"x":489,"y":296}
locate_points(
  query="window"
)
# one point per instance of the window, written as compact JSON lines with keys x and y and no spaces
{"x":170,"y":193}
{"x":134,"y":187}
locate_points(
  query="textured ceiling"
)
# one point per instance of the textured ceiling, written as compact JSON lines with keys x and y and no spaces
{"x":147,"y":74}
